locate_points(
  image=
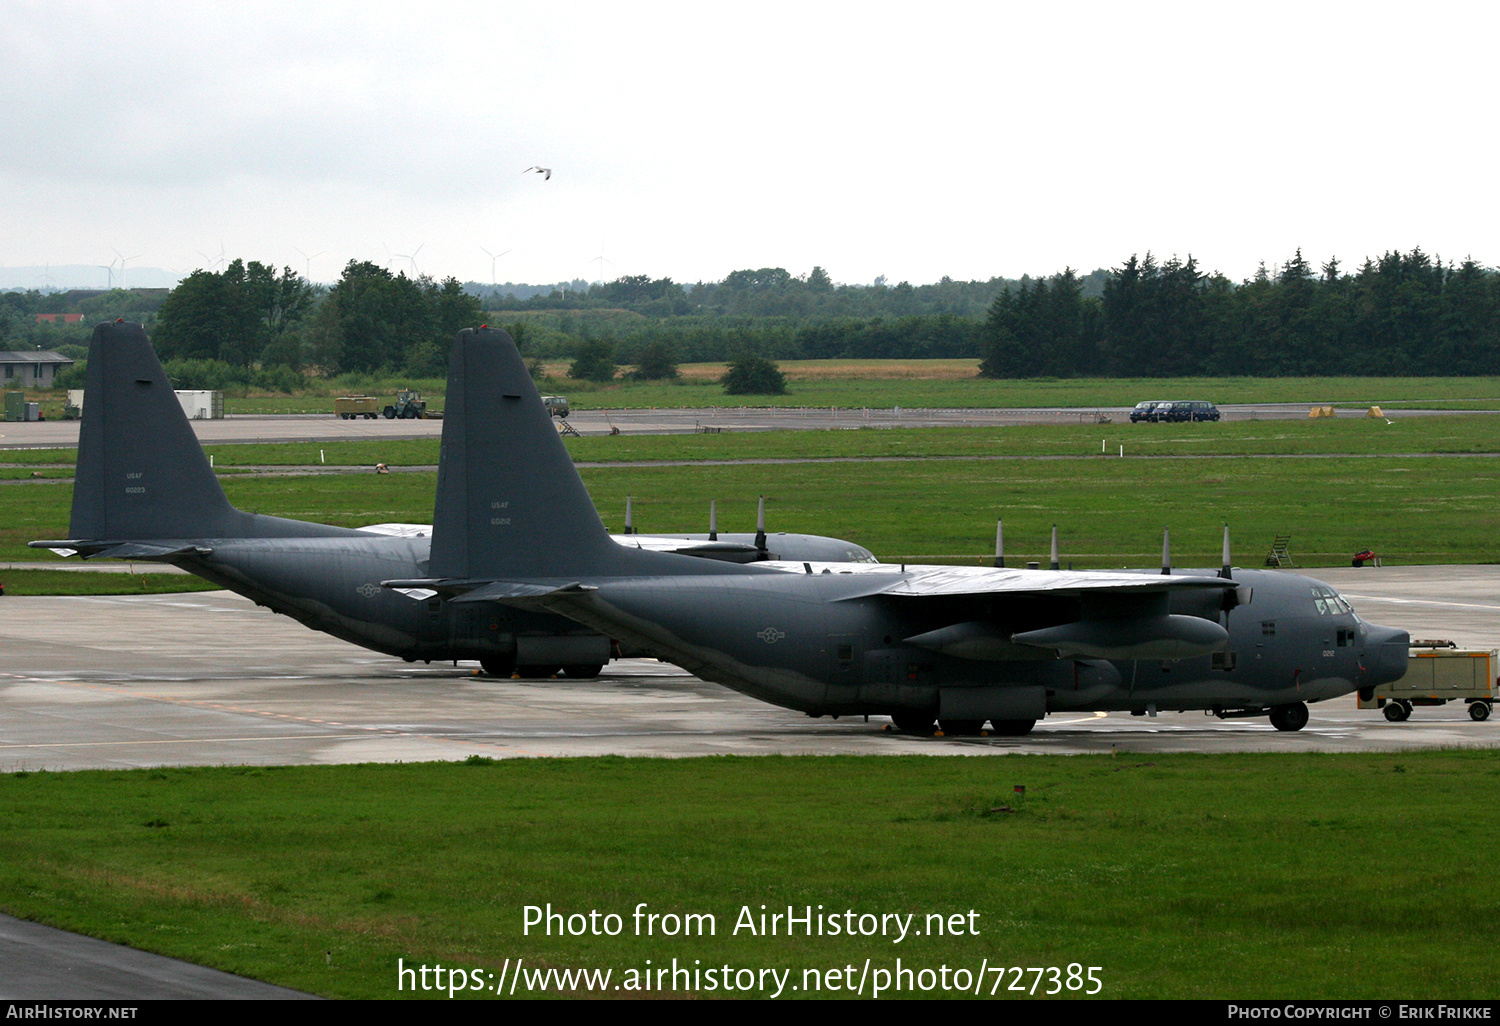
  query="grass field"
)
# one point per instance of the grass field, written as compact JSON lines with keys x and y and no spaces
{"x":71,"y":582}
{"x":1110,"y":511}
{"x":1245,"y":876}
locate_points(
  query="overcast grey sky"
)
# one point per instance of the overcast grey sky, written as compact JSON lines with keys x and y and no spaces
{"x":688,"y":140}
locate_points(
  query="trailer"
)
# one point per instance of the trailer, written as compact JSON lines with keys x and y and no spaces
{"x":1438,"y":672}
{"x":201,"y":404}
{"x":348,"y":407}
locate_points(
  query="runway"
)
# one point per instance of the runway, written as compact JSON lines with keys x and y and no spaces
{"x":328,"y":428}
{"x":209,"y":679}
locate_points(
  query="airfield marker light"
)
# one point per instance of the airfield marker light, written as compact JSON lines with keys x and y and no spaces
{"x":1224,"y":572}
{"x":1055,"y":564}
{"x":629,"y":519}
{"x":1000,"y":543}
{"x":1122,"y":450}
{"x":1166,"y":550}
{"x":713,"y":520}
{"x":210,"y":461}
{"x":321,"y":458}
{"x":1020,"y":789}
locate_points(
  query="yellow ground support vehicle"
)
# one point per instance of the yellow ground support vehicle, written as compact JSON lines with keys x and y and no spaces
{"x":1437,"y":672}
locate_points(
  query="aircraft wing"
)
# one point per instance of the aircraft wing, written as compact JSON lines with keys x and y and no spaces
{"x":1120,"y":615}
{"x":910,"y":581}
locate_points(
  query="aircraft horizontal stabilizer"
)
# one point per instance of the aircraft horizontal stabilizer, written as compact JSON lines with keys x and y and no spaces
{"x":143,"y":551}
{"x":1145,"y":637}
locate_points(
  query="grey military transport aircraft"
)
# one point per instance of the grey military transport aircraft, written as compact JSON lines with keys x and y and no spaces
{"x":959,"y":645}
{"x":516,"y":539}
{"x":144,"y":491}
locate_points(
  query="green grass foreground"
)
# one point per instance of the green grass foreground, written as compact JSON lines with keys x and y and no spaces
{"x":1244,"y":876}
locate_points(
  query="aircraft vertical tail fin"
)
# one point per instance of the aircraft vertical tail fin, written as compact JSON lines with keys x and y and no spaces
{"x":509,"y":501}
{"x":141,"y":472}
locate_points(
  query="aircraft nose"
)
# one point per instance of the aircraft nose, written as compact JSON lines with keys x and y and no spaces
{"x":1385,"y":658}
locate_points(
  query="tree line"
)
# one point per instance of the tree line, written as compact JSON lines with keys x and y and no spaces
{"x":1401,"y":314}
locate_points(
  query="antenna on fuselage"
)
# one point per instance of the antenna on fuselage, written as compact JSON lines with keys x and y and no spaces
{"x":1055,"y":564}
{"x":760,"y":527}
{"x":629,"y":519}
{"x":1166,"y":550}
{"x":713,"y":520}
{"x":1000,"y":543}
{"x":1224,"y":571}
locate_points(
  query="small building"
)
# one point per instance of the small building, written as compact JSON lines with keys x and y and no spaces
{"x":31,"y":368}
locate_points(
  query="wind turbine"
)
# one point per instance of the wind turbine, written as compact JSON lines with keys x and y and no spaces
{"x":212,"y":263}
{"x":309,"y":260}
{"x":601,"y":260}
{"x":123,"y":260}
{"x":108,"y":269}
{"x":493,"y":257}
{"x":412,"y":256}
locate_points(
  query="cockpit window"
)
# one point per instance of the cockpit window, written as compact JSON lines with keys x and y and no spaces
{"x":857,"y":555}
{"x":1329,"y":602}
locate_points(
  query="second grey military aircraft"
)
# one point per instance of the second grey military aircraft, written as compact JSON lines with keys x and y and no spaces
{"x":144,"y":491}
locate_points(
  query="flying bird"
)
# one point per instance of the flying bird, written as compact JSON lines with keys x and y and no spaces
{"x":545,"y":172}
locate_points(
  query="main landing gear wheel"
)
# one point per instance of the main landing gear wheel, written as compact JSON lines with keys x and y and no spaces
{"x":499,"y":666}
{"x":582,"y":672}
{"x":1289,"y":717}
{"x":1012,"y":728}
{"x":912,"y":722}
{"x":1479,"y":711}
{"x":961,"y":728}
